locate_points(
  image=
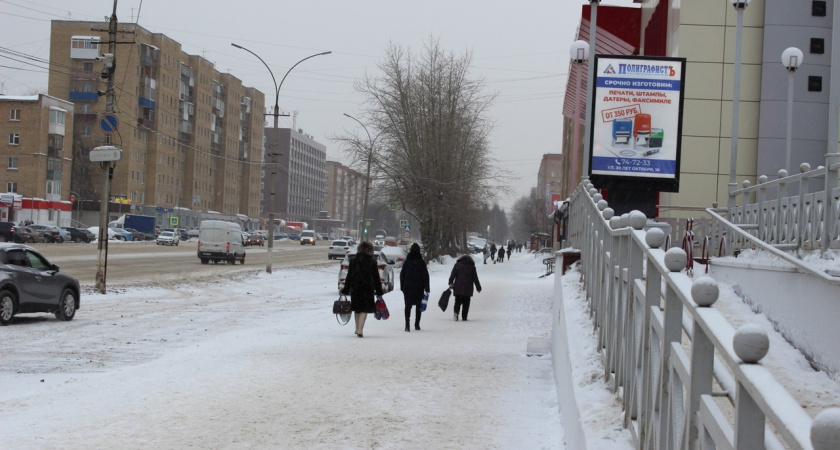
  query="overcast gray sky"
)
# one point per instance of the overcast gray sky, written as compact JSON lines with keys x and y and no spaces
{"x":521,"y":50}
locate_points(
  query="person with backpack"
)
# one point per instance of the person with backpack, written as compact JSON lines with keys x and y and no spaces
{"x":414,"y":284}
{"x":362,"y":284}
{"x":461,"y":281}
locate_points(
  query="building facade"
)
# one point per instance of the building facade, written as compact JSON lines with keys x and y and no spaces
{"x":300,"y":169}
{"x":191,"y":136}
{"x":37,"y":159}
{"x":345,"y":194}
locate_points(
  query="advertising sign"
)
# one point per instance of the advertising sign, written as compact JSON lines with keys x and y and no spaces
{"x":637,"y":122}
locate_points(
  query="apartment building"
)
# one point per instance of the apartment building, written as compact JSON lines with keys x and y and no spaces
{"x":191,"y":136}
{"x":299,"y":164}
{"x":37,"y":133}
{"x":345,"y":194}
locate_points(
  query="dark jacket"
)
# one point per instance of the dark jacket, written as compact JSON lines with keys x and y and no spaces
{"x":362,"y":283}
{"x":414,"y":278}
{"x":464,"y":275}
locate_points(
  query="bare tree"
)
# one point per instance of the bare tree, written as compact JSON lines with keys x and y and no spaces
{"x":430,"y":152}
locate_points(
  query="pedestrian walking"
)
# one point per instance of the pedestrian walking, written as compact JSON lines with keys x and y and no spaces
{"x":493,"y":253}
{"x":484,"y":253}
{"x":414,"y":284}
{"x":461,"y":281}
{"x":501,"y":254}
{"x":510,"y":250}
{"x":362,"y":284}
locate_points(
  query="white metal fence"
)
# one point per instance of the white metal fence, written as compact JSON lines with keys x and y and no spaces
{"x":687,"y":378}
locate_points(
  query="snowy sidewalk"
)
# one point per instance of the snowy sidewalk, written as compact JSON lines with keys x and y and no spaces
{"x":267,"y":366}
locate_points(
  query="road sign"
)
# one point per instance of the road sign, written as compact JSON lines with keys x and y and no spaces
{"x":407,"y":234}
{"x":403,"y":223}
{"x":173,"y":221}
{"x":105,"y":153}
{"x":393,"y":206}
{"x":109,"y":123}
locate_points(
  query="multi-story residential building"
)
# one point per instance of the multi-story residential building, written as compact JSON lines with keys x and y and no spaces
{"x":550,"y":180}
{"x":37,"y":133}
{"x":299,"y":178}
{"x":345,"y":194}
{"x":191,"y":136}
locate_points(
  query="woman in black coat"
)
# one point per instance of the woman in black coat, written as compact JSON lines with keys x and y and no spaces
{"x":362,"y":283}
{"x":461,"y":280}
{"x":414,"y":283}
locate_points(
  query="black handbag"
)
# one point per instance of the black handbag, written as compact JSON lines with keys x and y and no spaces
{"x":444,"y":300}
{"x":341,"y":309}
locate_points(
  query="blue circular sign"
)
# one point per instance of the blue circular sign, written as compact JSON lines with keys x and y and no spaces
{"x":109,"y":123}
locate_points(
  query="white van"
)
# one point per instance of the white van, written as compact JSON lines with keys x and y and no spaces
{"x":220,"y":241}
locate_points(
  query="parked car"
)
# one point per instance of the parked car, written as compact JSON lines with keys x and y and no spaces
{"x":294,"y":237}
{"x":79,"y":235}
{"x":307,"y":237}
{"x":395,"y":255}
{"x":168,"y":238}
{"x":338,"y":249}
{"x":182,"y":234}
{"x":50,"y":233}
{"x":30,"y":284}
{"x":193,"y":233}
{"x":386,"y":272}
{"x":256,"y":239}
{"x":120,"y":234}
{"x":278,"y":236}
{"x":136,"y":235}
{"x":33,"y":236}
{"x":9,"y":232}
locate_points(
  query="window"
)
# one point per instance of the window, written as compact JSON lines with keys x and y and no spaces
{"x":56,"y":141}
{"x":817,"y":46}
{"x":11,"y":186}
{"x":86,"y":109}
{"x":814,"y":83}
{"x":57,"y":117}
{"x":85,"y":130}
{"x":87,"y":67}
{"x":13,"y":163}
{"x":818,"y":8}
{"x":14,"y":115}
{"x":14,"y":139}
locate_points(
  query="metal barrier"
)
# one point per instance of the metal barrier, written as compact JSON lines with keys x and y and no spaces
{"x":666,"y":349}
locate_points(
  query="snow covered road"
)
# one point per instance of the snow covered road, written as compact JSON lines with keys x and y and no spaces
{"x":260,"y":362}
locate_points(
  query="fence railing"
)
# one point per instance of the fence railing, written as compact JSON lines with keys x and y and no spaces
{"x":786,"y":214}
{"x":687,"y":378}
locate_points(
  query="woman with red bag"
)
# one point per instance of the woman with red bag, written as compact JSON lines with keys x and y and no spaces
{"x":363,"y":285}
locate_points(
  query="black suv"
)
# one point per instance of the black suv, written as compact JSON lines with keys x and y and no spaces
{"x":9,"y":232}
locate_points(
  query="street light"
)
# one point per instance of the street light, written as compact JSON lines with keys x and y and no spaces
{"x":740,"y":6}
{"x":590,"y":77}
{"x":579,"y":52}
{"x":367,"y":178}
{"x":791,"y":59}
{"x":276,"y":115}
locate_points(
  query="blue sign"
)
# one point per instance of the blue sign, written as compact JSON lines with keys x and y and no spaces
{"x":109,"y":123}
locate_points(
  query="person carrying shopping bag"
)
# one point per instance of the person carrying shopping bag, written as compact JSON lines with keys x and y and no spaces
{"x":414,"y":284}
{"x":461,"y":280}
{"x":362,"y":284}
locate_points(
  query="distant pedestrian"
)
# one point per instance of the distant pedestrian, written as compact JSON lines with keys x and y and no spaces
{"x":414,"y":283}
{"x":484,"y":253}
{"x":501,"y":254}
{"x":509,"y":251}
{"x":362,"y":284}
{"x":461,"y":281}
{"x":493,"y":253}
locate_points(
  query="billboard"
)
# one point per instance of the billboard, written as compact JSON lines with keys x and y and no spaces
{"x":636,"y":122}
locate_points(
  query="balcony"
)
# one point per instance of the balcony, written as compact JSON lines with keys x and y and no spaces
{"x":79,"y":96}
{"x":146,"y":123}
{"x":146,"y":102}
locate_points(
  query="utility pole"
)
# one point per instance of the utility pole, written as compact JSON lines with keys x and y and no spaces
{"x":109,"y":155}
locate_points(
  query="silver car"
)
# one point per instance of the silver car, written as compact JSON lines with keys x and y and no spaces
{"x":30,"y":284}
{"x":386,"y":272}
{"x":168,"y":238}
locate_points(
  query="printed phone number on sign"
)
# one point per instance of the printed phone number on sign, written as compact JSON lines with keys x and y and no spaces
{"x":608,"y":115}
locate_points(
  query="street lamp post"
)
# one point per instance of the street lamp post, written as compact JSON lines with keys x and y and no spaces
{"x":276,"y":115}
{"x":367,"y":177}
{"x":740,"y":6}
{"x":791,"y":59}
{"x":579,"y":53}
